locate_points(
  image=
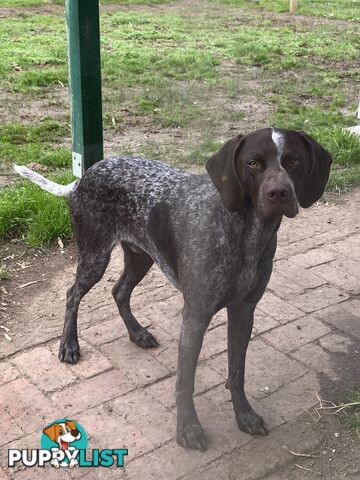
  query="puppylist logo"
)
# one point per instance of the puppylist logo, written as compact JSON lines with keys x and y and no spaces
{"x":64,"y":444}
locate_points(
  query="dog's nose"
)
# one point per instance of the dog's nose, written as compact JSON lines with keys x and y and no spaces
{"x":278,"y":194}
{"x":75,"y":433}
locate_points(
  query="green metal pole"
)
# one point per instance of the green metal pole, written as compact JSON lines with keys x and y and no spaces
{"x":83,"y":31}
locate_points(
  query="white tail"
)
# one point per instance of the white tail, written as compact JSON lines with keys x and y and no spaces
{"x":44,"y":183}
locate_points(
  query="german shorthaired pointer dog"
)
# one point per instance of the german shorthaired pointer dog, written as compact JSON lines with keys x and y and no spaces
{"x":213,"y":236}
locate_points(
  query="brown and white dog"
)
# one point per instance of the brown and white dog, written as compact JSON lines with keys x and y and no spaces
{"x":63,"y":433}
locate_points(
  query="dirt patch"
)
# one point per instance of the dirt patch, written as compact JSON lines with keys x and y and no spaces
{"x":30,"y":271}
{"x":161,"y":139}
{"x":17,"y":108}
{"x":6,"y":179}
{"x":286,"y":19}
{"x":336,"y":455}
{"x":25,"y":12}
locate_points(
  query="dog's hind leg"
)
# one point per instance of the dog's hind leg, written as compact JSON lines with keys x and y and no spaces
{"x":90,"y":269}
{"x":136,"y":265}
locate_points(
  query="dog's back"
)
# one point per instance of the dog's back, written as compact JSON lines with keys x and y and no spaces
{"x":143,"y":202}
{"x":134,"y":184}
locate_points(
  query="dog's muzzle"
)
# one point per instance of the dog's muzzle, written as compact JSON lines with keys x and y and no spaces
{"x":277,"y":198}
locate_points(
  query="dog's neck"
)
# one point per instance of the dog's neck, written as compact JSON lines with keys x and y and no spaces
{"x":250,"y":241}
{"x":257,"y":234}
{"x":248,"y":231}
{"x":256,"y":246}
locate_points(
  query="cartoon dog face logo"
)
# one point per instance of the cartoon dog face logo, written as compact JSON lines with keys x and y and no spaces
{"x":64,"y":438}
{"x":63,"y":433}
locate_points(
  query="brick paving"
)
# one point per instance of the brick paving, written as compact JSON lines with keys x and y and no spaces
{"x":306,"y":336}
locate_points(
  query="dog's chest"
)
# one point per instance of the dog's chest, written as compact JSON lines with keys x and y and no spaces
{"x":248,"y":277}
{"x":253,"y":260}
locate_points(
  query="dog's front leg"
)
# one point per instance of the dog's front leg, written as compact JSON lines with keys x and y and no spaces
{"x":189,"y":431}
{"x":240,"y":324}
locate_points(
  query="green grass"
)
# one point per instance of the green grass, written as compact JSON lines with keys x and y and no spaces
{"x":344,"y":146}
{"x":134,"y":2}
{"x":297,"y":116}
{"x":36,"y":58}
{"x":351,"y":415}
{"x":46,"y":131}
{"x":285,"y":48}
{"x":34,"y":215}
{"x":169,"y":105}
{"x":345,"y":150}
{"x":23,"y":144}
{"x":145,"y":48}
{"x":334,"y":9}
{"x":30,"y":3}
{"x":343,"y":179}
{"x":4,"y":274}
{"x":137,"y":48}
{"x":22,"y":3}
{"x":201,"y":153}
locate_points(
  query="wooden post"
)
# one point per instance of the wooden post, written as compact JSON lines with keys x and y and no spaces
{"x":293,"y":5}
{"x":83,"y":31}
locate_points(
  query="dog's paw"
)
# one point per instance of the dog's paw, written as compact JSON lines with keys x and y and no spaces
{"x":143,"y":338}
{"x":192,"y":436}
{"x":55,"y":463}
{"x":69,"y":352}
{"x":251,"y":422}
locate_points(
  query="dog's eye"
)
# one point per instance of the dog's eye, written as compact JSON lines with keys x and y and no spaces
{"x":291,"y":162}
{"x":254,"y":164}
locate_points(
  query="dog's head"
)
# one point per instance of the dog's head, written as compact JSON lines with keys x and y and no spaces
{"x":63,"y":433}
{"x":272,"y":170}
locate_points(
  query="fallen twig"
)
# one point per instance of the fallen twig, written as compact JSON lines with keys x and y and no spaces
{"x":296,"y":454}
{"x":22,"y":265}
{"x":153,"y":456}
{"x":314,"y":419}
{"x":61,"y":245}
{"x":332,"y":406}
{"x":29,"y":283}
{"x":342,"y":406}
{"x":307,"y":469}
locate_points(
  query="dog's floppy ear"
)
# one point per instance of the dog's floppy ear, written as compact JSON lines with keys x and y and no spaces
{"x":318,"y":172}
{"x":222,"y":171}
{"x":51,"y":431}
{"x":71,"y":424}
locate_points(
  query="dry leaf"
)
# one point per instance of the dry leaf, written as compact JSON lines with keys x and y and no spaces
{"x":61,"y":245}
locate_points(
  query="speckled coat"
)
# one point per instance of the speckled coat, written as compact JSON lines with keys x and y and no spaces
{"x":213,"y":236}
